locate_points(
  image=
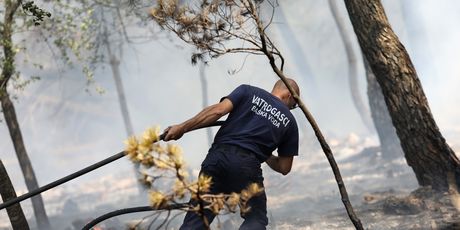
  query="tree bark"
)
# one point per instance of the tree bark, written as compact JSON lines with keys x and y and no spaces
{"x":8,"y":69}
{"x":381,"y":120}
{"x":360,"y":106}
{"x":389,"y":141}
{"x":24,"y":161}
{"x":425,"y":148}
{"x":15,"y":214}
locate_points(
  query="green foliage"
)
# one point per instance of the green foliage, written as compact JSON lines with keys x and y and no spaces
{"x":82,"y":30}
{"x":70,"y":31}
{"x":37,"y":13}
{"x":62,"y":31}
{"x":18,"y":23}
{"x":72,"y":34}
{"x":20,"y":83}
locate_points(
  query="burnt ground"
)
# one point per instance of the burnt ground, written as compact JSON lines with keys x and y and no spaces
{"x":384,"y":194}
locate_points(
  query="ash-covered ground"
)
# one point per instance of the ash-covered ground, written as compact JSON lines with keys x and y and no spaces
{"x":384,"y":194}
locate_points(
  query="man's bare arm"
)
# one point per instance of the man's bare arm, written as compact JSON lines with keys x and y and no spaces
{"x":207,"y":116}
{"x":282,"y":165}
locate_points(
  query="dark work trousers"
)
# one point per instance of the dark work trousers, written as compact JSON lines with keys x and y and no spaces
{"x":232,"y":169}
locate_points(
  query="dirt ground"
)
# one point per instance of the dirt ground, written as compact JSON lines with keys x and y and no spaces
{"x":384,"y":194}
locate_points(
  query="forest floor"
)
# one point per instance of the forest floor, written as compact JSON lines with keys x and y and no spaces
{"x":389,"y":201}
{"x":384,"y":194}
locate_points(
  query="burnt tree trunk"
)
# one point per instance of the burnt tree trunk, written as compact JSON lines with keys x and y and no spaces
{"x":424,"y":147}
{"x":381,"y":120}
{"x":15,"y":214}
{"x":8,"y":69}
{"x":389,"y":141}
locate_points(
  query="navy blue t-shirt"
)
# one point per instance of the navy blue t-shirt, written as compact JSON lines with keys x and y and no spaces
{"x":259,"y":122}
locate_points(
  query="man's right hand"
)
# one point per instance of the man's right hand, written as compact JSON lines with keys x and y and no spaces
{"x":206,"y":117}
{"x":173,"y":132}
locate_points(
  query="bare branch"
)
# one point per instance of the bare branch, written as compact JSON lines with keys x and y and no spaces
{"x":164,"y":221}
{"x":238,"y":26}
{"x":271,"y":17}
{"x":122,"y":24}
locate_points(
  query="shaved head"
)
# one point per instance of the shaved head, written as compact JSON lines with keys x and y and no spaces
{"x":279,"y":85}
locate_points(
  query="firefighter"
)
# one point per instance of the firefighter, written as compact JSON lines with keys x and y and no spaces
{"x":258,"y":123}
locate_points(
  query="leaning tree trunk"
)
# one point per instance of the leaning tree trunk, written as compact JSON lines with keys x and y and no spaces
{"x":9,"y":113}
{"x":15,"y":214}
{"x":389,"y":141}
{"x":425,"y":148}
{"x":24,"y":161}
{"x":381,"y":120}
{"x":360,"y":106}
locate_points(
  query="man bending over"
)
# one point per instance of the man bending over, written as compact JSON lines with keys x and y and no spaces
{"x":259,"y":122}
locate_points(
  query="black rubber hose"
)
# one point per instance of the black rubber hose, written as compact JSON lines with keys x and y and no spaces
{"x":128,"y":210}
{"x":77,"y":174}
{"x":62,"y":180}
